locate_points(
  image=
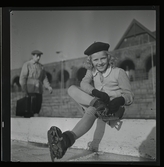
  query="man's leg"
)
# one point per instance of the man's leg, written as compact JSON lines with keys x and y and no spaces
{"x":31,"y":105}
{"x":38,"y":102}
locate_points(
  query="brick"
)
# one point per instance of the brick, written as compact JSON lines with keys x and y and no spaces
{"x":143,"y":91}
{"x":144,"y":103}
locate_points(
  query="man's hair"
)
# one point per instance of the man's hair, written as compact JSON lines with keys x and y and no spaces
{"x":88,"y":64}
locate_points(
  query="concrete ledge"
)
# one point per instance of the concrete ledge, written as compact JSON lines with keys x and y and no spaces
{"x":137,"y":137}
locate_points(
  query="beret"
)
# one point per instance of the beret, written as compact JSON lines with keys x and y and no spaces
{"x":96,"y":47}
{"x":36,"y":52}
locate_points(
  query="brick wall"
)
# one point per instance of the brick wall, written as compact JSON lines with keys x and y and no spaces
{"x":53,"y":105}
{"x":144,"y":105}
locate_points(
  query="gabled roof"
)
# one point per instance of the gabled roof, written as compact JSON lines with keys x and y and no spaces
{"x":135,"y":28}
{"x":154,"y":33}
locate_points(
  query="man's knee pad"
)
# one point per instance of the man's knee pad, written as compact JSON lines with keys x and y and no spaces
{"x":90,"y":111}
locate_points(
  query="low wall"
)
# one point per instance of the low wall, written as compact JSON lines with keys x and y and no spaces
{"x":59,"y":104}
{"x":136,"y":137}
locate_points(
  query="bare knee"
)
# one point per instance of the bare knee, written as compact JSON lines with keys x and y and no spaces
{"x":72,"y":90}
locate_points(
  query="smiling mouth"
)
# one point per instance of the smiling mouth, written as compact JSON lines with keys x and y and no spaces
{"x":101,"y":66}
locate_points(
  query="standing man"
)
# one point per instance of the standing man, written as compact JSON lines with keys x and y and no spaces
{"x":103,"y":92}
{"x":32,"y":79}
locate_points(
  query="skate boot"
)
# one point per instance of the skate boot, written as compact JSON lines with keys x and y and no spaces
{"x":114,"y":116}
{"x":103,"y":110}
{"x":59,"y":142}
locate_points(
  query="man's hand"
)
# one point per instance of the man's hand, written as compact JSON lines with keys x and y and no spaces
{"x":115,"y":104}
{"x":102,"y":95}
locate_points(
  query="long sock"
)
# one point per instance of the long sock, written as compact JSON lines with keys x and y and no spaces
{"x":99,"y":132}
{"x":85,"y":123}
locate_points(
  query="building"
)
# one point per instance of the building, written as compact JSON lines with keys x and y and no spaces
{"x":135,"y":53}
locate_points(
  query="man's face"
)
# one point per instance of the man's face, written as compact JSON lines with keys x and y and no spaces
{"x":100,"y":61}
{"x":36,"y":57}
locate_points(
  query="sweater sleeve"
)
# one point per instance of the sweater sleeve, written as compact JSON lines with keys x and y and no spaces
{"x":45,"y":80}
{"x":23,"y":77}
{"x":125,"y":86}
{"x":86,"y":83}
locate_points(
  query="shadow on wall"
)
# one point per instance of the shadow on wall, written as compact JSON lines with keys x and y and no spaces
{"x":147,"y":149}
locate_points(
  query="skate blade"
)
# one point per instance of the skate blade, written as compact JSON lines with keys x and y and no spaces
{"x":110,"y":118}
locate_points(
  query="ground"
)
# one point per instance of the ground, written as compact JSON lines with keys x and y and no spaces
{"x":33,"y":152}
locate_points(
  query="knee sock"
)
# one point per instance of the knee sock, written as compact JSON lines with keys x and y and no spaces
{"x":99,"y":132}
{"x":80,"y":128}
{"x":85,"y":123}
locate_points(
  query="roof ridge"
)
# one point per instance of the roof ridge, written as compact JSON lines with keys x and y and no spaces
{"x":134,"y":21}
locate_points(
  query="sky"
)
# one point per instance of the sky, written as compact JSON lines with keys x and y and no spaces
{"x":69,"y":32}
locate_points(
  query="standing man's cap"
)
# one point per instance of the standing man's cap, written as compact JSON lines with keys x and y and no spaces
{"x":36,"y":52}
{"x":96,"y":47}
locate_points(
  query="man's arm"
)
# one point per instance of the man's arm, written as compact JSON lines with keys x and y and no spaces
{"x":46,"y":82}
{"x":23,"y":77}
